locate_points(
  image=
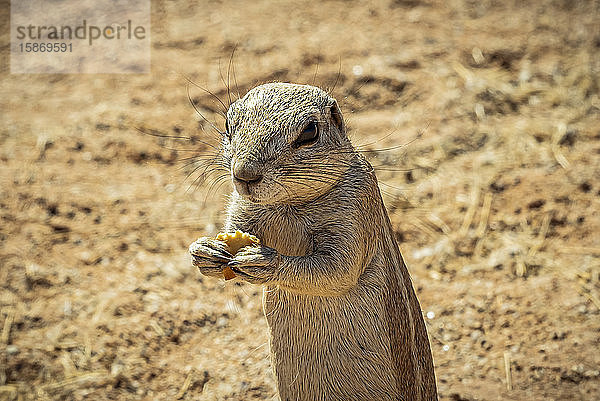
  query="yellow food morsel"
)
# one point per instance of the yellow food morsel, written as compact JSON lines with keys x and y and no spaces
{"x":238,"y":240}
{"x":235,"y":242}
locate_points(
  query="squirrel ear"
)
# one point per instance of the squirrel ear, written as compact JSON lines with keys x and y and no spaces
{"x":336,"y":116}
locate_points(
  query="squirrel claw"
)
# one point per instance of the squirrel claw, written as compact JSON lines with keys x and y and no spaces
{"x":256,"y":265}
{"x":209,"y":256}
{"x":209,"y":248}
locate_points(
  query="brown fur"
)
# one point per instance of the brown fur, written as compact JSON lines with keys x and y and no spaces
{"x":344,"y":319}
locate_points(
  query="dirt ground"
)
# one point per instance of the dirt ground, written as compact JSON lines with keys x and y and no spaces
{"x":496,"y":205}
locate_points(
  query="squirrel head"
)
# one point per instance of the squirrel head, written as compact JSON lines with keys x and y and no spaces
{"x":285,"y":143}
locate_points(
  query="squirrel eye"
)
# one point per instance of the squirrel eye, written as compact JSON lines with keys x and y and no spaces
{"x":308,"y":136}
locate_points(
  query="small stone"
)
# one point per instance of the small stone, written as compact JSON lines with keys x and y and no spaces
{"x":475,"y":334}
{"x":357,"y":70}
{"x":12,"y":349}
{"x":222,"y":321}
{"x":116,"y":368}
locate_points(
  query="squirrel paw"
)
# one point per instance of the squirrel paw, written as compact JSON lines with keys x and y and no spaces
{"x":256,"y":264}
{"x":210,"y":256}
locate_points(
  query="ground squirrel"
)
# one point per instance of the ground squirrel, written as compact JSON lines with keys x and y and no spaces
{"x":344,"y":320}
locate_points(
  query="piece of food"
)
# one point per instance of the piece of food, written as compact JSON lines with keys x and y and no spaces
{"x":235,"y":242}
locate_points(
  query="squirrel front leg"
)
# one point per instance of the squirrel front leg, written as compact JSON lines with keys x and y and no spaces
{"x":333,"y":268}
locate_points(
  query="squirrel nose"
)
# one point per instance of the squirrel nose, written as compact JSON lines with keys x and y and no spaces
{"x":245,"y":173}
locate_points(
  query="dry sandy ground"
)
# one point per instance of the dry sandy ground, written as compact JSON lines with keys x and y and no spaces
{"x":496,"y":205}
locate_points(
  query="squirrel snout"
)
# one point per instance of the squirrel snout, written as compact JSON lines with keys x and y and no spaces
{"x":247,"y":174}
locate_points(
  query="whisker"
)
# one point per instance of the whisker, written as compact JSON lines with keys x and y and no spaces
{"x":316,"y":179}
{"x":391,"y":168}
{"x":190,"y":82}
{"x":225,"y":83}
{"x":201,"y":164}
{"x":378,"y":140}
{"x":390,"y":185}
{"x":229,"y":71}
{"x":330,"y":90}
{"x":199,"y":113}
{"x":155,"y":133}
{"x":237,"y":88}
{"x":305,"y":184}
{"x":315,"y":74}
{"x":286,"y":189}
{"x":419,"y":135}
{"x":199,"y":156}
{"x":158,"y":134}
{"x":200,"y":176}
{"x":215,"y":186}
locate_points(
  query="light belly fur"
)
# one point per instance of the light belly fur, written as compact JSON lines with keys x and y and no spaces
{"x":336,"y":343}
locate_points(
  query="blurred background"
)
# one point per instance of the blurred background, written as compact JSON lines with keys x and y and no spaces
{"x":496,"y":204}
